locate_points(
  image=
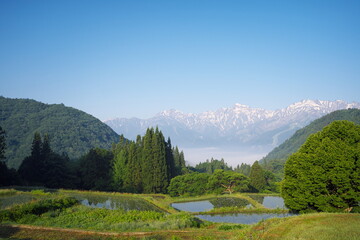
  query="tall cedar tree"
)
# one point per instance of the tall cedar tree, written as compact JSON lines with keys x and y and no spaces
{"x":7,"y":176}
{"x":31,"y":169}
{"x":146,"y":165}
{"x":324,"y":175}
{"x":2,"y":144}
{"x":44,"y":167}
{"x":94,"y":168}
{"x":257,"y":177}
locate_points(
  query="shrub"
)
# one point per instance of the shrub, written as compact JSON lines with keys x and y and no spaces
{"x":36,"y":208}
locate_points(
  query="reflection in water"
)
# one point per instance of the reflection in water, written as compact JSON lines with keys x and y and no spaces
{"x":241,"y":218}
{"x":229,"y":202}
{"x":7,"y":201}
{"x":199,"y":206}
{"x":271,"y":202}
{"x":115,"y":202}
{"x":203,"y":206}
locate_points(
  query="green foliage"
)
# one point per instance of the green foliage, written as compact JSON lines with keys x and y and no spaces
{"x":193,"y":184}
{"x":229,"y":227}
{"x":275,"y":160}
{"x":94,"y":169}
{"x":36,"y":208}
{"x":257,"y":177}
{"x":227,"y":182}
{"x":146,"y":165}
{"x":112,"y":220}
{"x":7,"y":176}
{"x":2,"y":144}
{"x":324,"y":175}
{"x":44,"y":167}
{"x":71,"y":131}
{"x":243,"y":169}
{"x":211,"y":166}
{"x":40,"y":192}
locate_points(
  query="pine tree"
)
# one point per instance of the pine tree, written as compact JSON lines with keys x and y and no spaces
{"x":32,"y":167}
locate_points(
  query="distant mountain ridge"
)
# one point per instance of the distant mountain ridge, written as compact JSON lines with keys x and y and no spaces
{"x":239,"y":125}
{"x":276,"y":159}
{"x":70,"y":130}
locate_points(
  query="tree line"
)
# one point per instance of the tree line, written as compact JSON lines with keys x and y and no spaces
{"x":142,"y":166}
{"x":148,"y":165}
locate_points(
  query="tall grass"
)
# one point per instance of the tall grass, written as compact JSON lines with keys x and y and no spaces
{"x":319,"y":226}
{"x":115,"y":220}
{"x":35,"y":208}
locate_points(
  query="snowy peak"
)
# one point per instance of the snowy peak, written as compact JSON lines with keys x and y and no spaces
{"x":236,"y":125}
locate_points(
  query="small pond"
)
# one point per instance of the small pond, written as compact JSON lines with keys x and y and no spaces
{"x":242,"y":218}
{"x":271,"y":202}
{"x":7,"y":201}
{"x":115,"y":202}
{"x":206,"y":205}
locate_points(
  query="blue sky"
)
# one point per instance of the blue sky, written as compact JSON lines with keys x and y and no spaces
{"x":137,"y":58}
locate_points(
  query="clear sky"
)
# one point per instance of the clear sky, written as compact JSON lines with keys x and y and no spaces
{"x":136,"y":58}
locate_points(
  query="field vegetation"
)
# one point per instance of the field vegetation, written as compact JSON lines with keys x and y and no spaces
{"x":56,"y":215}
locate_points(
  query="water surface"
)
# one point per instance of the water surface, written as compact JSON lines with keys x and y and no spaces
{"x":115,"y":202}
{"x":7,"y":201}
{"x":271,"y":202}
{"x":207,"y":205}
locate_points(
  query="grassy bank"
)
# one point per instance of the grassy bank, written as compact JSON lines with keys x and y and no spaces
{"x":319,"y":226}
{"x":327,"y":226}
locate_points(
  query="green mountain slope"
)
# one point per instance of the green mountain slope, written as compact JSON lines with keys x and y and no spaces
{"x":71,"y":131}
{"x":276,"y":158}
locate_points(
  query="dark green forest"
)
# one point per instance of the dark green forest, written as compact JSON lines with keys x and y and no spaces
{"x":148,"y":165}
{"x":143,"y":166}
{"x":71,"y":131}
{"x":276,"y":159}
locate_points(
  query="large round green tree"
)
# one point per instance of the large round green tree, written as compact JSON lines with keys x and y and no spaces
{"x":324,"y":175}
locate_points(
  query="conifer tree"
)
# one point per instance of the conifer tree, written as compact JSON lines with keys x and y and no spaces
{"x":31,"y":168}
{"x":117,"y":171}
{"x":146,"y":165}
{"x":257,"y":177}
{"x":147,"y":161}
{"x":170,"y":160}
{"x":2,"y":144}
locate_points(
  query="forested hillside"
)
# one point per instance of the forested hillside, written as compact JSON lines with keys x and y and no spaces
{"x":71,"y":131}
{"x":275,"y":160}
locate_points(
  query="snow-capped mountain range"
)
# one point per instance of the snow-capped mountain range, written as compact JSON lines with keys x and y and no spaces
{"x":237,"y":127}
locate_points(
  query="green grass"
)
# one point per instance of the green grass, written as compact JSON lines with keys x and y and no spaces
{"x":318,"y":226}
{"x":81,"y":222}
{"x":6,"y":192}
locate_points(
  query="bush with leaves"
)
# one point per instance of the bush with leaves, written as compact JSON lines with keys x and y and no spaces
{"x":324,"y":175}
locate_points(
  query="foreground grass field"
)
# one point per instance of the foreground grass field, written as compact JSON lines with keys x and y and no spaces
{"x":321,"y":226}
{"x":53,"y":216}
{"x":329,"y":226}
